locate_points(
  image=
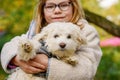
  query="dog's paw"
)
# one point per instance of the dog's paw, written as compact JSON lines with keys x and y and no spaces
{"x":27,"y":47}
{"x":72,"y":60}
{"x":26,"y":50}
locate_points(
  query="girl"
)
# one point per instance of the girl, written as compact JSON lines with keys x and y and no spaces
{"x":49,"y":11}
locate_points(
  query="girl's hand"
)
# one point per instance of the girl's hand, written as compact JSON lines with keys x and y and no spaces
{"x":38,"y":64}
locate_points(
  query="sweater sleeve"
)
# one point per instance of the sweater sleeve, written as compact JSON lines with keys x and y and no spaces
{"x":8,"y":51}
{"x":88,"y":60}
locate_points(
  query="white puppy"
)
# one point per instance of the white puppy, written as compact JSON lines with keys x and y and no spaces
{"x":61,"y":40}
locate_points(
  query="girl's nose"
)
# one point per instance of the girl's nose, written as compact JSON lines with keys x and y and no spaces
{"x":57,"y":10}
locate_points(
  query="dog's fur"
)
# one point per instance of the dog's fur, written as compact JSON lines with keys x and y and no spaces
{"x":61,"y":39}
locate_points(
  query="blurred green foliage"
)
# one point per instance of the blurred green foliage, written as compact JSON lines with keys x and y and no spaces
{"x":109,"y":68}
{"x":16,"y":15}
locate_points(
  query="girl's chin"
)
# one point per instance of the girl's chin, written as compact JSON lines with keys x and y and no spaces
{"x":58,"y":20}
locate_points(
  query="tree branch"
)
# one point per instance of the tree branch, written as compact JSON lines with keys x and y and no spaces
{"x":102,"y":22}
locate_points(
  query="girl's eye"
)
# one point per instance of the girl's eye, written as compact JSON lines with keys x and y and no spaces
{"x":49,"y":6}
{"x":64,"y":5}
{"x":55,"y":36}
{"x":69,"y":36}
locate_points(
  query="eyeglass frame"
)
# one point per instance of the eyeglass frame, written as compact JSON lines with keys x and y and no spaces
{"x":58,"y":5}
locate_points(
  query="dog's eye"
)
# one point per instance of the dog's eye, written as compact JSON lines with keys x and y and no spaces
{"x":69,"y":36}
{"x":55,"y":36}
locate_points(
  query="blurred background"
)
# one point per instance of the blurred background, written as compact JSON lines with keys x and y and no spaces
{"x":16,"y":15}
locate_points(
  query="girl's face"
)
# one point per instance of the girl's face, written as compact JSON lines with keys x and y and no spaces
{"x":58,"y":10}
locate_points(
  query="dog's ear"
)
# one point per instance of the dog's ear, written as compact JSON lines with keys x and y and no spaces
{"x":40,"y":37}
{"x":43,"y":34}
{"x":81,"y":38}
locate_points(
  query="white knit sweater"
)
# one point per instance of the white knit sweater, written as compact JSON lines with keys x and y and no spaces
{"x":89,"y":57}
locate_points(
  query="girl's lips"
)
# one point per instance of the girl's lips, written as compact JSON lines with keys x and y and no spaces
{"x":58,"y":18}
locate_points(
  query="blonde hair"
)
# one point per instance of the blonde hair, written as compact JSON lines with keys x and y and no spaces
{"x":41,"y":22}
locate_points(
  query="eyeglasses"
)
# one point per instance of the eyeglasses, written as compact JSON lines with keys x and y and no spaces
{"x":62,"y":6}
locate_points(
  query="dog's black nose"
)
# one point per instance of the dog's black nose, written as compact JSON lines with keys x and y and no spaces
{"x":62,"y":45}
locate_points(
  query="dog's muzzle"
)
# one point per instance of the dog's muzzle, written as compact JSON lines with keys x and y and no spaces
{"x":62,"y":45}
